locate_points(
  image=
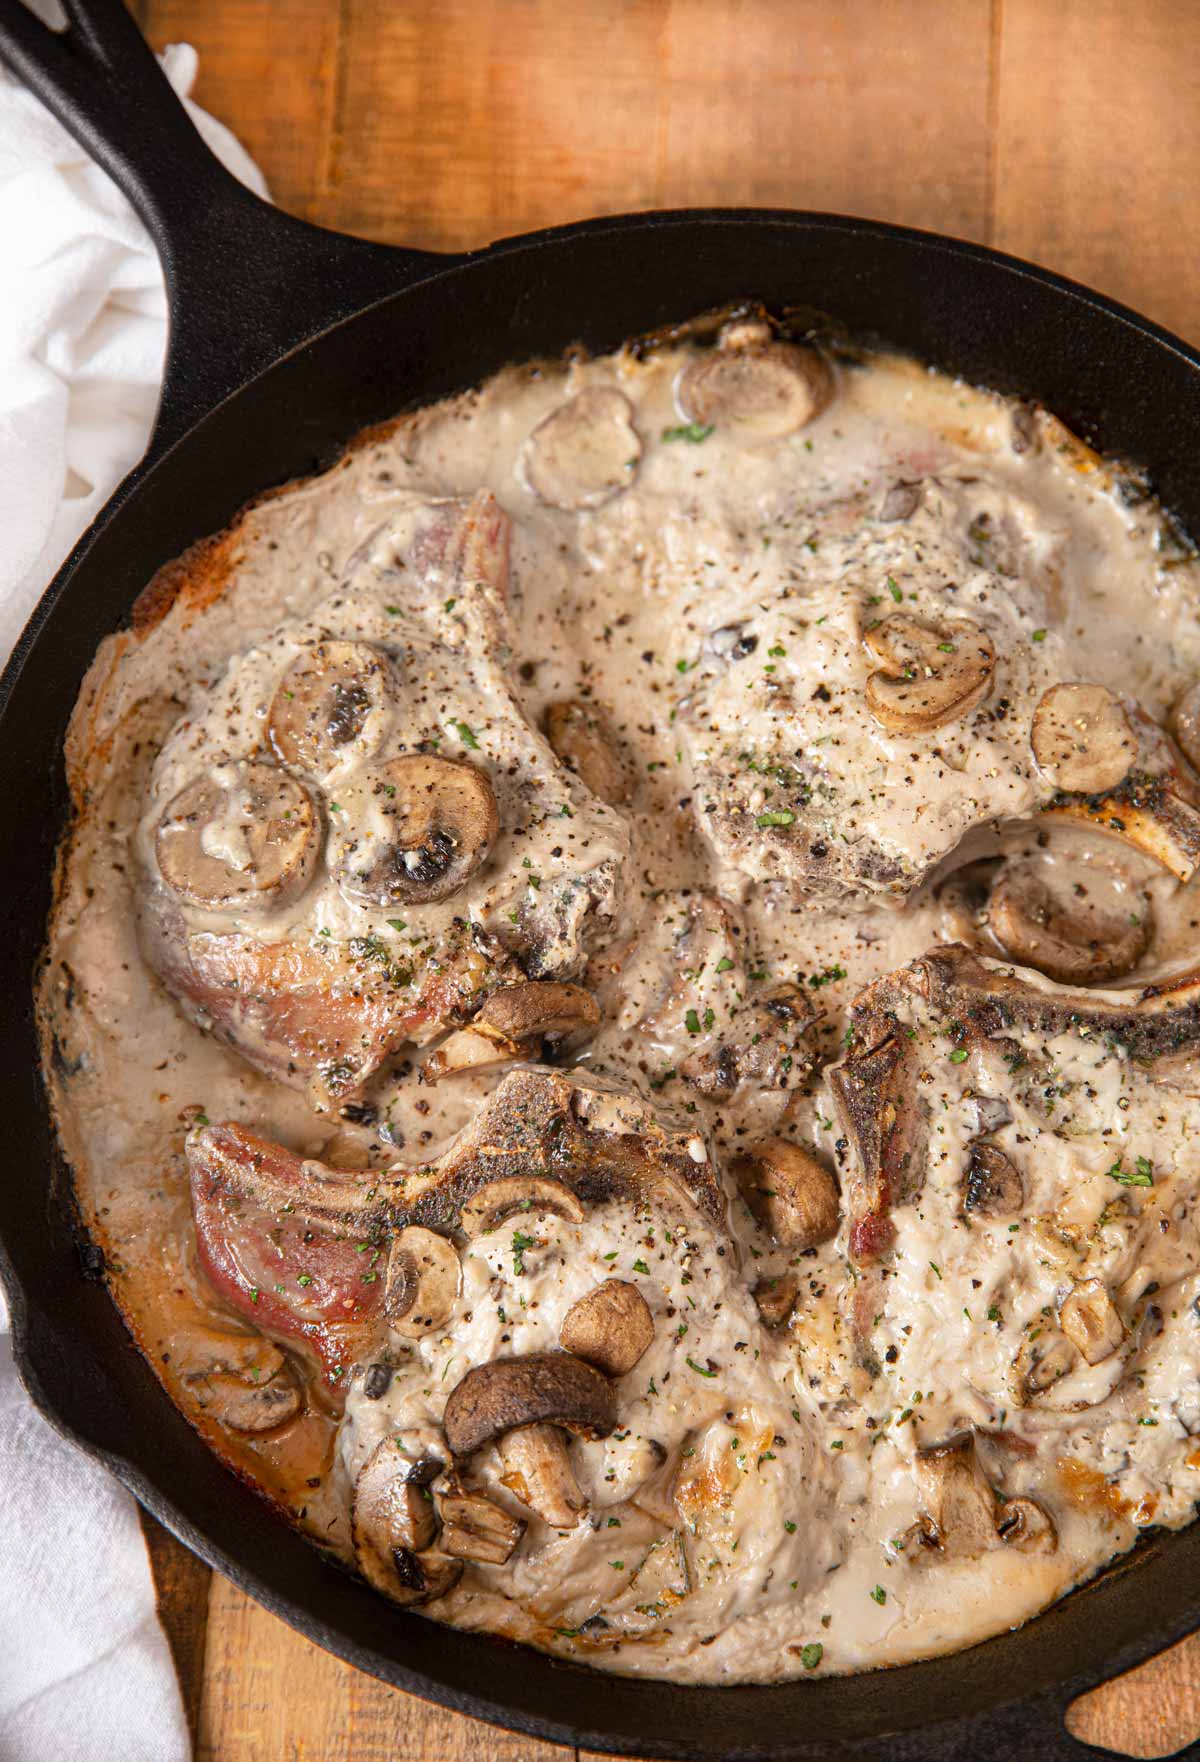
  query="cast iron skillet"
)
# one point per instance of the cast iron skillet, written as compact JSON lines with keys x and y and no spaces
{"x":285,"y":340}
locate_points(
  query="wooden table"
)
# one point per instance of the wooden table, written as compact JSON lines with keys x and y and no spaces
{"x":1067,"y":131}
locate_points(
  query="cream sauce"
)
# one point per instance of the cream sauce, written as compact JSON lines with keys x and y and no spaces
{"x":790,"y":1554}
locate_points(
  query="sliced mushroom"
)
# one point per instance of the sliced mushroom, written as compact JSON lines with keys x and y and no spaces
{"x":1089,"y":1319}
{"x":411,"y":831}
{"x":1023,"y":1524}
{"x":1042,"y":1359}
{"x":927,"y":676}
{"x":336,"y":698}
{"x":1185,"y":723}
{"x":393,"y":1524}
{"x":585,"y":452}
{"x":993,"y":1187}
{"x":1082,"y":739}
{"x":543,"y":1387}
{"x":789,"y":1191}
{"x":247,"y":1385}
{"x":777,"y":1298}
{"x":526,"y":1406}
{"x":611,"y":1327}
{"x":582,"y":739}
{"x":957,"y":1496}
{"x":474,"y":1527}
{"x":246,"y":835}
{"x":541,"y":1007}
{"x":512,"y":1025}
{"x":470,"y":1049}
{"x":758,"y":387}
{"x":1080,"y":939}
{"x":538,"y":1472}
{"x":499,"y":1199}
{"x":422,"y":1282}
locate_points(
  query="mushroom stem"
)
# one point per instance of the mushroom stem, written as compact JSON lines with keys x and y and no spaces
{"x":537,"y":1471}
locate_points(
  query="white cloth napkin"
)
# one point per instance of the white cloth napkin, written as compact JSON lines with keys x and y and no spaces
{"x":85,"y":1673}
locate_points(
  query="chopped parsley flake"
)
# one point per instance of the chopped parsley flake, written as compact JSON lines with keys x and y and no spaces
{"x":688,"y":431}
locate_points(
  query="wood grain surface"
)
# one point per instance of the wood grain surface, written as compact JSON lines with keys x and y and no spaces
{"x":1067,"y":131}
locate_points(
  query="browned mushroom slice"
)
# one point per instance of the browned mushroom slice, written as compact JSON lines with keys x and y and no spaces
{"x":1023,"y":1524}
{"x":526,"y":1406}
{"x":927,"y":676}
{"x":411,"y":831}
{"x":1077,"y":931}
{"x":1082,"y":739}
{"x":789,"y":1191}
{"x":957,"y":1497}
{"x":993,"y":1187}
{"x":246,"y":1385}
{"x":582,"y":739}
{"x":334,"y":699}
{"x":1042,"y":1359}
{"x":503,"y":1197}
{"x":611,"y":1327}
{"x":1089,"y":1319}
{"x":754,"y":385}
{"x":543,"y":1007}
{"x":1185,"y":724}
{"x":393,"y":1525}
{"x":585,"y":452}
{"x":512,"y":1024}
{"x":244,"y":836}
{"x":422,"y":1282}
{"x":776,"y":1298}
{"x":474,"y":1527}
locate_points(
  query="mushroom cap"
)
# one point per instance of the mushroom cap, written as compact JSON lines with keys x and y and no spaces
{"x":244,"y":835}
{"x":1082,"y":739}
{"x":1078,"y":940}
{"x":422,"y":1282}
{"x":927,"y":676}
{"x":581,"y":738}
{"x":487,"y":1208}
{"x":336,"y":698}
{"x":792,"y":1194}
{"x":611,"y":1327}
{"x":411,"y":831}
{"x":585,"y":452}
{"x":542,"y":1388}
{"x":757,"y":387}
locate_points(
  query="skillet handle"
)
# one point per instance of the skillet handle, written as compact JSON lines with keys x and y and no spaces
{"x":246,"y":283}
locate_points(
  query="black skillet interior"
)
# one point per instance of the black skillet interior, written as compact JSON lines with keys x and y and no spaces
{"x":285,"y":341}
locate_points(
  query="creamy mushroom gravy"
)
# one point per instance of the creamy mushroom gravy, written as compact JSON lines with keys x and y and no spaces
{"x":766,"y":588}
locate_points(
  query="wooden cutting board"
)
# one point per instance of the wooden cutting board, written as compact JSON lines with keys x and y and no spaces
{"x":1067,"y":131}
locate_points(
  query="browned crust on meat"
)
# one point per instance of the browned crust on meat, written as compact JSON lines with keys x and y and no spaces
{"x":196,"y":579}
